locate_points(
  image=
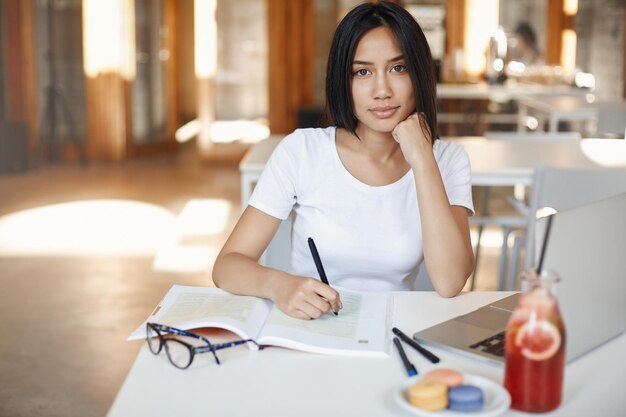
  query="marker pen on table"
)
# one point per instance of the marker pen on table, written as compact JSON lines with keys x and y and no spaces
{"x":410,"y":369}
{"x":426,"y":353}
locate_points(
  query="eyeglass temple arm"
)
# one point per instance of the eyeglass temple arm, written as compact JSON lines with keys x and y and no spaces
{"x":210,"y":346}
{"x":226,"y":345}
{"x":174,"y":330}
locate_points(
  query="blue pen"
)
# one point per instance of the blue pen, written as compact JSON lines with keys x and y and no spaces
{"x":410,"y":369}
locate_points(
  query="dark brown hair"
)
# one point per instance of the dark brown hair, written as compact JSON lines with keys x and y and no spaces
{"x":419,"y":63}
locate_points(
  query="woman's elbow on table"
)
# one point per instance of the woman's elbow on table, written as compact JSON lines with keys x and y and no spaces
{"x":216,"y":275}
{"x":453,"y":284}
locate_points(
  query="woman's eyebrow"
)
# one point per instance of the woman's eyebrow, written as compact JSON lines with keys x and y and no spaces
{"x":398,"y":58}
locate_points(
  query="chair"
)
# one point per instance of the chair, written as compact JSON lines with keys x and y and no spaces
{"x":562,"y":189}
{"x":611,"y":119}
{"x":509,"y":224}
{"x":278,"y":252}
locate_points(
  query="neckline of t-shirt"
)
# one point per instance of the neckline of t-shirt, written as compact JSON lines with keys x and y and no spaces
{"x":379,"y":188}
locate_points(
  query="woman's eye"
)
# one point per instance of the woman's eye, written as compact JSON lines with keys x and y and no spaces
{"x":399,"y":68}
{"x":360,"y":72}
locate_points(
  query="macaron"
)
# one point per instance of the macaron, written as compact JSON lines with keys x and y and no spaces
{"x":465,"y":398}
{"x":429,"y":395}
{"x":450,"y":377}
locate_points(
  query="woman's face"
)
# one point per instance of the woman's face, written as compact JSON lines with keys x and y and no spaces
{"x":381,"y":86}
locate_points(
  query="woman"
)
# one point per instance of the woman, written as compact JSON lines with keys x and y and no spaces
{"x":375,"y":191}
{"x":527,"y":50}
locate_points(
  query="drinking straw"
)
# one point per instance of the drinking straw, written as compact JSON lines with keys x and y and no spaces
{"x":544,"y":244}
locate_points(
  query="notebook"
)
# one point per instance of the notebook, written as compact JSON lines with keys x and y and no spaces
{"x":587,"y":248}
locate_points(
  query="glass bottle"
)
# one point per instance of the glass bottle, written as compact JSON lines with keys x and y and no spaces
{"x":535,"y":346}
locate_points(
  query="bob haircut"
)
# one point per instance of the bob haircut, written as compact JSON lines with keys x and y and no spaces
{"x":419,"y":63}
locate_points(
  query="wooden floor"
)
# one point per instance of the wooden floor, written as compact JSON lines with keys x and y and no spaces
{"x":86,"y":253}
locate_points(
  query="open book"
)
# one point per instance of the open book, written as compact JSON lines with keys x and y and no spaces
{"x":362,"y":327}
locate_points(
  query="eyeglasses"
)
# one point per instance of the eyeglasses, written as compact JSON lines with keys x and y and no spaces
{"x":180,"y":353}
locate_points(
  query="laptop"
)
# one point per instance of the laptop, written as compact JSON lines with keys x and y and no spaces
{"x":587,"y":249}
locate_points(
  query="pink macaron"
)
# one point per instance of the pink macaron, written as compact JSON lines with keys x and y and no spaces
{"x":450,"y":377}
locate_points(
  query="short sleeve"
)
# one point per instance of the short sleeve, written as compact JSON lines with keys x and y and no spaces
{"x":456,"y":173}
{"x":275,"y":192}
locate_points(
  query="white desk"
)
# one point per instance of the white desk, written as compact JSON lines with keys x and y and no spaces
{"x":556,"y":109}
{"x":498,"y":93}
{"x":279,"y":382}
{"x":508,"y":162}
{"x":495,"y":162}
{"x":503,"y":93}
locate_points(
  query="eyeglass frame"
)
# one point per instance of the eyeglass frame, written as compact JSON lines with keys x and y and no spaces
{"x":210,"y":347}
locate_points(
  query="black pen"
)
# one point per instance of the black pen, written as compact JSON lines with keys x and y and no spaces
{"x":426,"y":353}
{"x":318,"y":265}
{"x":410,"y":369}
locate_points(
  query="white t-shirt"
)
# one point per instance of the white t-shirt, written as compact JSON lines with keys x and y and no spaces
{"x":368,"y":237}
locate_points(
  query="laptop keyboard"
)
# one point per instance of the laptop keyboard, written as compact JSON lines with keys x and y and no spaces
{"x":493,"y":345}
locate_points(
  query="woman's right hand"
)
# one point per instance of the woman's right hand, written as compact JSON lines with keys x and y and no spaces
{"x":305,"y":298}
{"x":237,"y":270}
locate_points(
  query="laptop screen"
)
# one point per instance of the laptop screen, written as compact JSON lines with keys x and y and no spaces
{"x":586,"y":249}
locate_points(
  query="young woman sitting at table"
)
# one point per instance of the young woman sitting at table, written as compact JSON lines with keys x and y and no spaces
{"x":377,"y":191}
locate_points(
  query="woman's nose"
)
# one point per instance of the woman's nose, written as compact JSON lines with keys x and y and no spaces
{"x":382,"y":89}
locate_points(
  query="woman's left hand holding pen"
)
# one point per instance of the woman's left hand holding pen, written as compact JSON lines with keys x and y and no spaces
{"x":305,"y":298}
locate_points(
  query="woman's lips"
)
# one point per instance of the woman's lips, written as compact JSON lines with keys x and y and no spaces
{"x":384,"y":112}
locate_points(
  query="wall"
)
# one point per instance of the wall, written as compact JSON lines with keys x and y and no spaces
{"x":64,"y":49}
{"x":241,"y":80}
{"x":325,"y":24}
{"x":600,"y":48}
{"x":514,"y":12}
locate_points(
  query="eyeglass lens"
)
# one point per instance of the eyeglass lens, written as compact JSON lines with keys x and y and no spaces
{"x":179,"y":353}
{"x":153,"y":338}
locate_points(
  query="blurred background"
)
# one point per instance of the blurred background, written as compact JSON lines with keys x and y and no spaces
{"x":112,"y":80}
{"x":123,"y":123}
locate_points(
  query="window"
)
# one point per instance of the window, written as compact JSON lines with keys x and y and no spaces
{"x":59,"y":73}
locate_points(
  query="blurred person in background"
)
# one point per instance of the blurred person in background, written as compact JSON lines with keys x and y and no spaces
{"x":526,"y":50}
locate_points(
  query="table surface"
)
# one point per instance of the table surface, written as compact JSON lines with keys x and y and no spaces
{"x":281,"y":382}
{"x":557,"y":108}
{"x":503,"y":93}
{"x":504,"y":162}
{"x":495,"y":162}
{"x":565,"y":104}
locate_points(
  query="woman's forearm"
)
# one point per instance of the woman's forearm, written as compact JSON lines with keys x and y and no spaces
{"x":238,"y":274}
{"x":447,"y":246}
{"x":300,"y":297}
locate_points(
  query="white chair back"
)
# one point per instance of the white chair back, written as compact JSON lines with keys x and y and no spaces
{"x":278,"y":252}
{"x":611,"y":119}
{"x":563,"y":189}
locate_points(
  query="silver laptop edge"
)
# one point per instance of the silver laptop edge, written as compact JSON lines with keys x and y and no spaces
{"x":586,"y":248}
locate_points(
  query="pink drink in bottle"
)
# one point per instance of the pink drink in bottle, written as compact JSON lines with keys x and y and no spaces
{"x":535,"y":346}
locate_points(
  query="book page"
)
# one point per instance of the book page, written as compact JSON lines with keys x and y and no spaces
{"x":344,"y":325}
{"x":360,"y":329}
{"x":194,"y":307}
{"x":190,"y":306}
